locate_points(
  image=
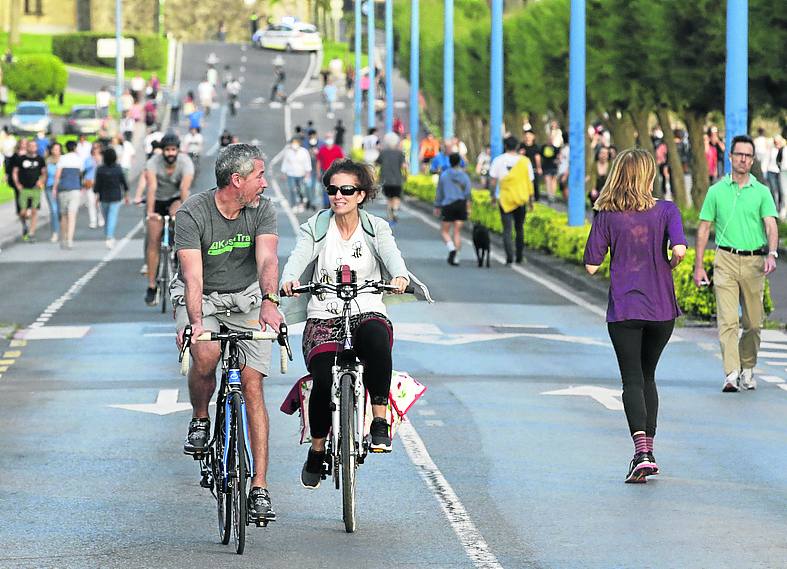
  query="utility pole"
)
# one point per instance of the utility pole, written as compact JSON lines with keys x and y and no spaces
{"x":14,"y":16}
{"x":448,"y":71}
{"x":389,"y":56}
{"x":496,"y":81}
{"x":576,"y":114}
{"x":736,"y":93}
{"x":371,"y":95}
{"x":357,"y":80}
{"x":414,"y":84}
{"x":119,"y":60}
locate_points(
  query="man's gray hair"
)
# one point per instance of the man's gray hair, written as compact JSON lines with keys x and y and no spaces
{"x":236,"y":159}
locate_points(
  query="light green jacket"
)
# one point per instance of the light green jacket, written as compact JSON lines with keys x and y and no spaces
{"x":311,"y":240}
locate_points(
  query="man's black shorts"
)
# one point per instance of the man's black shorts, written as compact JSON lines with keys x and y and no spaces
{"x":392,"y":191}
{"x":162,"y":206}
{"x":455,"y":211}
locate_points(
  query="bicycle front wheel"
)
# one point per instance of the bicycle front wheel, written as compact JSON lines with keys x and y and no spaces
{"x":237,"y":468}
{"x":223,"y":494}
{"x":163,"y":277}
{"x":347,"y":450}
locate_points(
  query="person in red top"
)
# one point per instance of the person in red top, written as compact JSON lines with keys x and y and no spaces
{"x":327,"y":155}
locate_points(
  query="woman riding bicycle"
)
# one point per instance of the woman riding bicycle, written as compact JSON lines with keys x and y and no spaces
{"x":345,"y":235}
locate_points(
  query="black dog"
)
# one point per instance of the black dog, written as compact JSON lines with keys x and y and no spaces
{"x":482,"y":244}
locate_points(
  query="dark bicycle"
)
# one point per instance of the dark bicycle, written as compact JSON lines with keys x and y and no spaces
{"x":167,"y":262}
{"x":228,"y":462}
{"x":347,"y":448}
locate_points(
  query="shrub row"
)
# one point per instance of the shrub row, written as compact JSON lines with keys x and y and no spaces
{"x":80,"y":48}
{"x":35,"y":77}
{"x":548,"y":231}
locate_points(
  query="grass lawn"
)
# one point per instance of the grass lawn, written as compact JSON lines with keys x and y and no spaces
{"x":6,"y":193}
{"x":332,"y":50}
{"x":42,"y":43}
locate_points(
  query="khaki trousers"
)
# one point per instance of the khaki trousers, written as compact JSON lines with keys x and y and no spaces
{"x":739,"y":281}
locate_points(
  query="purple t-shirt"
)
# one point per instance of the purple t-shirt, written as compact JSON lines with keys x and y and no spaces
{"x":640,"y":276}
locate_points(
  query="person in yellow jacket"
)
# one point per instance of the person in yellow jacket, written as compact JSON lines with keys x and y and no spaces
{"x":511,"y":176}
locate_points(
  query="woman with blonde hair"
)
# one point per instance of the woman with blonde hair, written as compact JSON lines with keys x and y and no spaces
{"x":637,"y":230}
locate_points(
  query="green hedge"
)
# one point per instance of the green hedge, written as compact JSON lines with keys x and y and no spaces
{"x":547,"y":230}
{"x":80,"y":48}
{"x":35,"y":77}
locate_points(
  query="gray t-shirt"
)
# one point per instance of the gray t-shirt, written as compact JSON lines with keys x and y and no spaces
{"x":228,"y":253}
{"x":390,"y":161}
{"x":168,"y":186}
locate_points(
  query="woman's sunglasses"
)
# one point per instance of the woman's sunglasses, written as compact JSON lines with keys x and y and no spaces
{"x":345,"y":190}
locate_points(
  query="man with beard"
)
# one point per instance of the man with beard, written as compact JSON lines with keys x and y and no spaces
{"x":227,"y":247}
{"x":168,"y":176}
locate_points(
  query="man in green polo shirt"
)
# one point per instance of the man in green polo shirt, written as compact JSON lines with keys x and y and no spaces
{"x":747,"y":248}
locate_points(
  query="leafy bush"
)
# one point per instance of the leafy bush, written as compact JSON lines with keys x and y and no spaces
{"x":547,"y":230}
{"x":36,"y":77}
{"x":80,"y":48}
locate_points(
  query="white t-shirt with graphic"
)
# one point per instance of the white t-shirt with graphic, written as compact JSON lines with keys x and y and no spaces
{"x":353,"y":252}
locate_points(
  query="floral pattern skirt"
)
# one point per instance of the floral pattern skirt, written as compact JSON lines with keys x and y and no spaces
{"x":325,"y":335}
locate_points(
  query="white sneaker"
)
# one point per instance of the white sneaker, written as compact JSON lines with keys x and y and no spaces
{"x":747,"y":379}
{"x":731,"y":382}
{"x":54,"y":238}
{"x":110,"y":243}
{"x":92,"y":226}
{"x":144,"y":269}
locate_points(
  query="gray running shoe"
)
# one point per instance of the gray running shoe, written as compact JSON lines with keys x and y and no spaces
{"x":259,"y":505}
{"x":747,"y":380}
{"x":311,"y":474}
{"x":197,"y":437}
{"x":731,"y":383}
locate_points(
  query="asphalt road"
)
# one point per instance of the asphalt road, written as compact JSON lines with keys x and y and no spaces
{"x":497,"y":470}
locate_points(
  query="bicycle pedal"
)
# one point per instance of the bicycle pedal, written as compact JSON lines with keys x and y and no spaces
{"x":261,"y":523}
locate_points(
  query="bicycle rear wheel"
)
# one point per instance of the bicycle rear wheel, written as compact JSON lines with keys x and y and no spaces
{"x":238,"y":473}
{"x":347,"y":450}
{"x":223,"y":494}
{"x":163,"y":276}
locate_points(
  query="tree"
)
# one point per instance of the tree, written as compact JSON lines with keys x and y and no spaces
{"x":36,"y":77}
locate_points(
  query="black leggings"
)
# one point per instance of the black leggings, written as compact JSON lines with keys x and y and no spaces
{"x":372,"y":344}
{"x":638,"y":346}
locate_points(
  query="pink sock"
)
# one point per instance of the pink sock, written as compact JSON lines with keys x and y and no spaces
{"x":640,"y":443}
{"x":649,"y":444}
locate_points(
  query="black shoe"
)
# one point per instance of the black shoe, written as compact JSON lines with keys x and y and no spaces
{"x":640,"y":467}
{"x":653,"y":461}
{"x":197,"y":437}
{"x":150,"y":297}
{"x":451,"y":258}
{"x":259,"y":505}
{"x":381,"y":435}
{"x":311,"y":474}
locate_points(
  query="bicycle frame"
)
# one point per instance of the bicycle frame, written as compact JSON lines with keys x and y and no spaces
{"x":231,"y":387}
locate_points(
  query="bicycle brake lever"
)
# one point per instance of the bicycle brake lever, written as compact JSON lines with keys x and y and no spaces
{"x":186,"y":342}
{"x":284,"y":340}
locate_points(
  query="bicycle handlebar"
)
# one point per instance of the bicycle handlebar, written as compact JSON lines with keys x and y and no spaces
{"x":378,"y":286}
{"x":285,"y":353}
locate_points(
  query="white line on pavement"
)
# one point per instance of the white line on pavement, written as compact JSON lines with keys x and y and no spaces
{"x":57,"y":304}
{"x":783,"y":386}
{"x":471,"y":539}
{"x":772,"y":378}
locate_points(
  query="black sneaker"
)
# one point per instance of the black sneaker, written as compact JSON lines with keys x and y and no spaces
{"x":311,"y":474}
{"x":381,"y":435}
{"x":653,"y":461}
{"x":197,"y":437}
{"x":259,"y":505}
{"x":150,"y":297}
{"x":452,"y":257}
{"x":640,"y":467}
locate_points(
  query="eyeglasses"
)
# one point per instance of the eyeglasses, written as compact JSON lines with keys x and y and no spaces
{"x":345,"y":190}
{"x":743,"y":155}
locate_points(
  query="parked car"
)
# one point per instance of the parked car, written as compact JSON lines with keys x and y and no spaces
{"x":289,"y":36}
{"x":31,"y":117}
{"x":83,"y":119}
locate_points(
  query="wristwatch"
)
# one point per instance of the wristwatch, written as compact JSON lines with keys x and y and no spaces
{"x":274,"y":298}
{"x":774,"y":254}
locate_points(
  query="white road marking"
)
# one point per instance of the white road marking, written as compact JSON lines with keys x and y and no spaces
{"x":166,"y":403}
{"x":772,"y":363}
{"x":296,"y":105}
{"x":609,"y":398}
{"x":222,"y":124}
{"x":160,"y":334}
{"x":434,"y":423}
{"x":783,"y":386}
{"x":54,"y":333}
{"x":427,"y":412}
{"x":772,"y":378}
{"x":772,"y":346}
{"x":772,"y":355}
{"x":243,"y":59}
{"x":471,"y":539}
{"x":243,"y":69}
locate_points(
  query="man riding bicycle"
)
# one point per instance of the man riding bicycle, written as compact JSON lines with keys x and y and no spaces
{"x":226,"y":244}
{"x":345,"y":235}
{"x":168,"y":176}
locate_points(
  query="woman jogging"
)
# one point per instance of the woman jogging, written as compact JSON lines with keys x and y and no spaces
{"x":637,"y":229}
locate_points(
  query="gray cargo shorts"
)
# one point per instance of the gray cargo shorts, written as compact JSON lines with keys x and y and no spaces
{"x":237,"y":311}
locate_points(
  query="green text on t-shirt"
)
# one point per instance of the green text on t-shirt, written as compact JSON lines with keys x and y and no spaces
{"x":240,"y":241}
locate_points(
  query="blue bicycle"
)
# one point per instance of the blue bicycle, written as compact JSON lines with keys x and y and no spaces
{"x":228,"y":462}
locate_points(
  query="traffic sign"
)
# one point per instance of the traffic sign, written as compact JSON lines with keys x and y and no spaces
{"x":107,"y":47}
